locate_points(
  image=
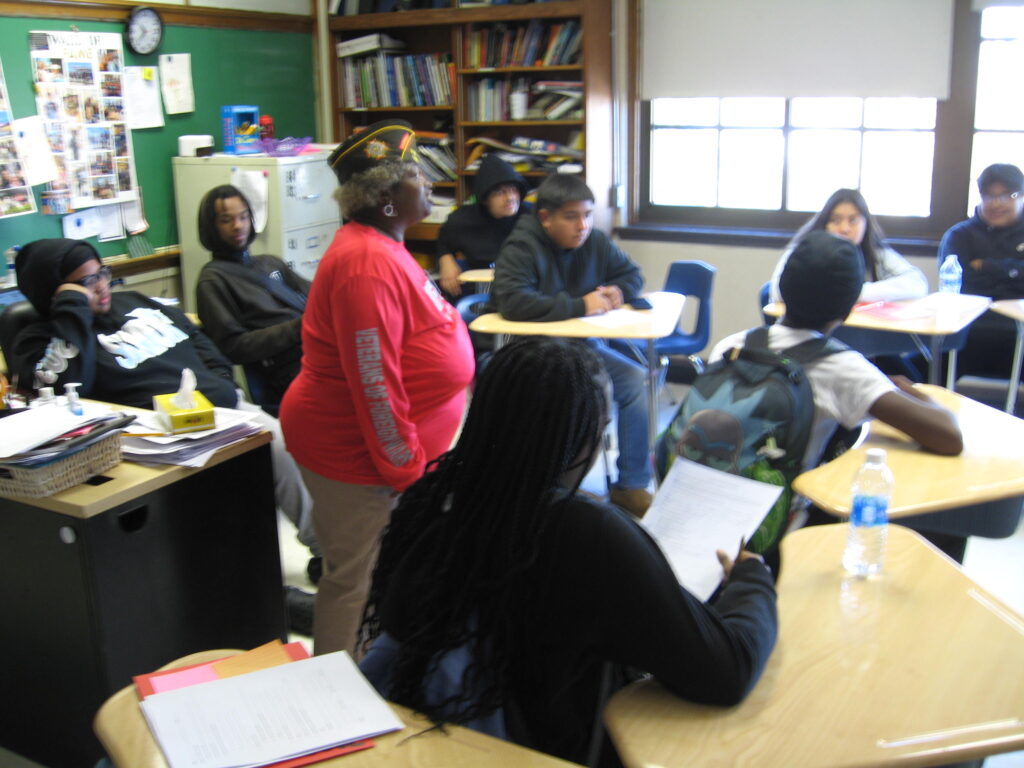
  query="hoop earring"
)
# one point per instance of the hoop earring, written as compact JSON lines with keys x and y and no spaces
{"x":389,"y":210}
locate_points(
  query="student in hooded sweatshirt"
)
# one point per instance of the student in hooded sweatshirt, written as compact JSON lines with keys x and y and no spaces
{"x":125,"y":347}
{"x":251,"y":306}
{"x":474,"y":233}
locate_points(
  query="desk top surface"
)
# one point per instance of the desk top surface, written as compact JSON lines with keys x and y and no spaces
{"x":654,"y":323}
{"x":918,"y":666}
{"x":1012,"y":308}
{"x":129,"y":480}
{"x":991,"y":466}
{"x":934,"y":315}
{"x":130,"y":742}
{"x":476,"y":276}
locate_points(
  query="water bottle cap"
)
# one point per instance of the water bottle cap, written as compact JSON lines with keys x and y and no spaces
{"x":876,"y":454}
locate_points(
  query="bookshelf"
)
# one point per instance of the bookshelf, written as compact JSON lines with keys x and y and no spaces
{"x":485,"y":69}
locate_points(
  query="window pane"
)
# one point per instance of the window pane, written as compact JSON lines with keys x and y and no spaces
{"x":684,"y":167}
{"x":825,"y":113}
{"x":753,"y":112}
{"x":1002,"y":22}
{"x":684,"y":111}
{"x":896,"y":175}
{"x":1000,"y":106}
{"x":992,"y":148}
{"x":820,"y":162}
{"x":751,"y":169}
{"x":899,"y":113}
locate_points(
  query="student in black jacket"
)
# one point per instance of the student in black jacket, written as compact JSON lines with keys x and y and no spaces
{"x":551,"y":591}
{"x":251,"y":306}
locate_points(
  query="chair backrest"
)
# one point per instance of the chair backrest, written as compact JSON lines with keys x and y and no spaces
{"x":472,"y":306}
{"x":764,"y":298}
{"x":696,"y":279}
{"x":13,"y":319}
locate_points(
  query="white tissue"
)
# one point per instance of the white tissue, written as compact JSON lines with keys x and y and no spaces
{"x":184,"y":398}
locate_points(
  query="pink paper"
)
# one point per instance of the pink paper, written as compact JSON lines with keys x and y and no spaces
{"x":192,"y":676}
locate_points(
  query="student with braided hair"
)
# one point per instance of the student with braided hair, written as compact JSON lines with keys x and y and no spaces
{"x":494,"y":565}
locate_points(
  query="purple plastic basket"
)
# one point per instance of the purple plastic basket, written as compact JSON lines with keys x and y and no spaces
{"x":284,"y":147}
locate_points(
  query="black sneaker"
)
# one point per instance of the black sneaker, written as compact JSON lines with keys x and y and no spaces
{"x":299,"y":605}
{"x":315,"y":569}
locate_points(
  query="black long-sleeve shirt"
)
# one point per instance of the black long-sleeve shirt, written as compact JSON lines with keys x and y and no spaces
{"x":603,"y":591}
{"x":136,"y":350}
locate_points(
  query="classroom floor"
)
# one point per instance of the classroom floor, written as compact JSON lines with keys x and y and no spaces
{"x":996,"y":564}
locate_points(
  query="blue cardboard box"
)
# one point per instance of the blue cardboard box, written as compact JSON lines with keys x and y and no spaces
{"x":241,"y":127}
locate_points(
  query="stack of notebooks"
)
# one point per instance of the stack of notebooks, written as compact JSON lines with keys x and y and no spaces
{"x":272,"y":706}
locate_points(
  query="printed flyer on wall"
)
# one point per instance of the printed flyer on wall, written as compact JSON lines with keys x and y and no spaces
{"x":15,"y":195}
{"x":79,"y":95}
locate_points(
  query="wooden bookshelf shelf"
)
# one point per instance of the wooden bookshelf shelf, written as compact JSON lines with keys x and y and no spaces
{"x":454,"y":34}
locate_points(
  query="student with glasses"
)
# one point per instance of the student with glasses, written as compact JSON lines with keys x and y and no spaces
{"x":990,"y":246}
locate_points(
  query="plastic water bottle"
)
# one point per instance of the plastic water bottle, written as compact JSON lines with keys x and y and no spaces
{"x":869,"y":517}
{"x":11,"y":278}
{"x":951,"y":275}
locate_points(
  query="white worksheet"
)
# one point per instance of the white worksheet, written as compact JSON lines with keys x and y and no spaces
{"x":698,"y":510}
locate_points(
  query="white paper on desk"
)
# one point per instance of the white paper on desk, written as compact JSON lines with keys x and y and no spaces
{"x":141,"y":86}
{"x":33,"y":149}
{"x":111,"y":223}
{"x":176,"y":80}
{"x":614,"y":319}
{"x":698,"y":510}
{"x":35,"y":426}
{"x":82,"y":224}
{"x":268,"y":715}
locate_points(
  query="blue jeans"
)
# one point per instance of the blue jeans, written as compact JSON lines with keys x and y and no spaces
{"x":629,"y":390}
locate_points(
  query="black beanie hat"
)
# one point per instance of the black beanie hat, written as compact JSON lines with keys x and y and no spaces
{"x":42,"y":266}
{"x":380,"y":142}
{"x":822,"y":280}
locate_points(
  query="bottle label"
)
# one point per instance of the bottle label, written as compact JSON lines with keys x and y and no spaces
{"x":869,"y":510}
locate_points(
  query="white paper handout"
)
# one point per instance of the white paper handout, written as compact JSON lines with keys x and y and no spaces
{"x":83,"y":224}
{"x":176,"y":83}
{"x":614,"y":319}
{"x":698,"y":510}
{"x":254,"y":185}
{"x":268,"y":715}
{"x":34,"y":150}
{"x":142,"y":97}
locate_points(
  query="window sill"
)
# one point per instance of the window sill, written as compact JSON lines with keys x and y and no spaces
{"x":751,"y":238}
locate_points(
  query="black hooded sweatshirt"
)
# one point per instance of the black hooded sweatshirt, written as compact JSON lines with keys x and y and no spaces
{"x":471,"y":231}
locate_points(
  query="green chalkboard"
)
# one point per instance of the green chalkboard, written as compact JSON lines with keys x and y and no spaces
{"x":273,"y":70}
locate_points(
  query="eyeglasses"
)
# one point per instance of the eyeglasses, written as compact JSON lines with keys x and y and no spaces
{"x":1003,"y":198}
{"x":103,"y":273}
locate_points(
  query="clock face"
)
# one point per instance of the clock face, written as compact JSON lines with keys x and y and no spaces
{"x":145,"y":30}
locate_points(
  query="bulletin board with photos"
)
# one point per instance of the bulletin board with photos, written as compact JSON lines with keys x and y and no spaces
{"x":16,"y":196}
{"x":79,"y":95}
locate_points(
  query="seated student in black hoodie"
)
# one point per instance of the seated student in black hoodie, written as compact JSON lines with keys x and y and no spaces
{"x":251,"y":306}
{"x":476,"y":230}
{"x":125,"y":347}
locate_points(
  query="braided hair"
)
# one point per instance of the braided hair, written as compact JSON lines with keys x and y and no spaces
{"x":479,"y":514}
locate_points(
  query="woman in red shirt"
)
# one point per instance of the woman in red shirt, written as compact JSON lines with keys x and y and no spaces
{"x":385,"y":366}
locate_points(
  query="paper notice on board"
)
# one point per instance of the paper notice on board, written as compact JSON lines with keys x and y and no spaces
{"x":254,"y":185}
{"x":698,"y":510}
{"x":33,"y":149}
{"x":176,"y":80}
{"x":134,"y":216}
{"x":111,"y":223}
{"x":82,"y":224}
{"x":142,"y":97}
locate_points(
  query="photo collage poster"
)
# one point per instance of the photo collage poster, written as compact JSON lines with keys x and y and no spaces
{"x":16,"y":196}
{"x":79,"y":96}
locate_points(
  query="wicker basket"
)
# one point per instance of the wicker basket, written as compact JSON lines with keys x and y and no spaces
{"x":62,"y":473}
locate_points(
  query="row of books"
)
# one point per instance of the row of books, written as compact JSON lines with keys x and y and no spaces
{"x":356,"y":7}
{"x":389,"y":80}
{"x":526,"y":153}
{"x":536,"y":43}
{"x":436,"y":157}
{"x":492,"y":99}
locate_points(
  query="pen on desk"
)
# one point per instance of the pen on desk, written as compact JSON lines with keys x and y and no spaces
{"x":869,"y":305}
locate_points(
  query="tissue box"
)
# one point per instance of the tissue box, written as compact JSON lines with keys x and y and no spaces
{"x":241,"y":125}
{"x":178,"y":420}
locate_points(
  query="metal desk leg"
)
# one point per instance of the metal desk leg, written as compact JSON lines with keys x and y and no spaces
{"x":1011,"y":396}
{"x":652,"y":397}
{"x":951,"y":371}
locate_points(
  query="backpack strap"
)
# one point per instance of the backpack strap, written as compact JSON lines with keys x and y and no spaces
{"x":802,"y":353}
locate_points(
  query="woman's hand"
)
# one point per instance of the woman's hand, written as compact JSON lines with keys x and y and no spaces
{"x":743,"y":554}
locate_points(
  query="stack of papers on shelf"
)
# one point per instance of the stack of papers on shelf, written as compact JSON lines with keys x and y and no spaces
{"x":38,"y":436}
{"x":145,"y":443}
{"x":286,"y":711}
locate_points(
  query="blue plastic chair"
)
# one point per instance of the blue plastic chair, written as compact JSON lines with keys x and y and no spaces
{"x":472,"y":306}
{"x":692,"y":279}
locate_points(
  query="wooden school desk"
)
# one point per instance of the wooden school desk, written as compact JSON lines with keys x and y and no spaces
{"x":477,"y":276}
{"x":918,"y":666}
{"x":115,"y":577}
{"x":130,"y":744}
{"x":962,"y":309}
{"x":1013,"y":309}
{"x":649,"y":325}
{"x":991,"y":467}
